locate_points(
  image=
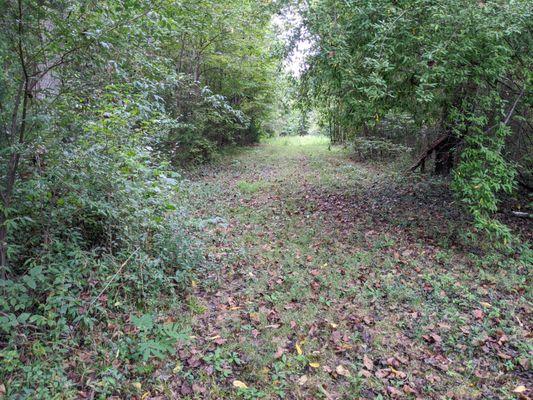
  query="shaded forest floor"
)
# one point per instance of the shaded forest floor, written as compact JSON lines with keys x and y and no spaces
{"x":341,"y":280}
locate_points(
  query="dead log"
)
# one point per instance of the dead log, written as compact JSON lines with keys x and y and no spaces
{"x":521,"y":214}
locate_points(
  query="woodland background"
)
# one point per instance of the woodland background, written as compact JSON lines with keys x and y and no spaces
{"x":105,"y":104}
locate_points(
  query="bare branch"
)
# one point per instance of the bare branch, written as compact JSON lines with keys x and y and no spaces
{"x":511,"y":111}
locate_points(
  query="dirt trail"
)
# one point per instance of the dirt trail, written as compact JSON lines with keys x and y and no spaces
{"x":331,"y":279}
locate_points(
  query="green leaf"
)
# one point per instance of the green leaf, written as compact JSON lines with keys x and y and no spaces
{"x":144,"y":323}
{"x":29,"y":281}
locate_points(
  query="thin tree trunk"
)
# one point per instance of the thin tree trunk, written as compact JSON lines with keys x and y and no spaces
{"x":14,"y":159}
{"x":3,"y":246}
{"x":444,"y":155}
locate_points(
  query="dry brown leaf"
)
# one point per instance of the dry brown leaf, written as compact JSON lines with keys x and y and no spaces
{"x":520,"y":389}
{"x":239,"y":384}
{"x":342,"y":371}
{"x":365,"y":373}
{"x":478,"y":314}
{"x":368,"y":363}
{"x":382,"y":373}
{"x":279,"y":352}
{"x":394,"y":392}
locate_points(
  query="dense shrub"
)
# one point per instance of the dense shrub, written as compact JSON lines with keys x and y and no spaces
{"x":97,"y":235}
{"x":203,"y":123}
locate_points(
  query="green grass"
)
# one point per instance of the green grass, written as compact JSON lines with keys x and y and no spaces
{"x":249,"y":187}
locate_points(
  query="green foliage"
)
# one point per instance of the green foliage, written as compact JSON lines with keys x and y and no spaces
{"x":376,"y":149}
{"x":250,"y":187}
{"x":459,"y":68}
{"x":98,"y":104}
{"x":156,"y":340}
{"x":211,"y":123}
{"x":482,"y":173}
{"x":223,"y":362}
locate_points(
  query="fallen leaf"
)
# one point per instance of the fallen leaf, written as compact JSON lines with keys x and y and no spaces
{"x":177,"y":368}
{"x":239,"y":384}
{"x":279,"y":352}
{"x":220,"y":341}
{"x":314,"y":364}
{"x":393,"y":362}
{"x":382,"y":373}
{"x":342,"y":371}
{"x":303,"y":380}
{"x":504,"y":356}
{"x":520,"y":389}
{"x":432,"y":338}
{"x":368,"y":363}
{"x":393,"y":391}
{"x":409,"y":390}
{"x":298,"y":349}
{"x":137,"y":385}
{"x":503,"y":338}
{"x":398,"y":374}
{"x":478,"y":314}
{"x":465,"y":329}
{"x":254,"y":317}
{"x":365,"y":373}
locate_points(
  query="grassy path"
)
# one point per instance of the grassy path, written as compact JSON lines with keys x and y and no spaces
{"x":332,"y":279}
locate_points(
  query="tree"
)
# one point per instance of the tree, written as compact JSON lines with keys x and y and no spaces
{"x":460,"y":67}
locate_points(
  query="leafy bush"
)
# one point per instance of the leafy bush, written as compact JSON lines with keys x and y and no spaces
{"x":481,"y":175}
{"x":201,"y":125}
{"x":376,"y":149}
{"x":98,"y":102}
{"x":97,"y":232}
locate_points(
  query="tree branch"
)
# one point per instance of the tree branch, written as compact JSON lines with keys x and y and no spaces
{"x":511,"y":111}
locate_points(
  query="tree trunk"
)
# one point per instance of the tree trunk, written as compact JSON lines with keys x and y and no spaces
{"x":3,"y":248}
{"x":444,"y":155}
